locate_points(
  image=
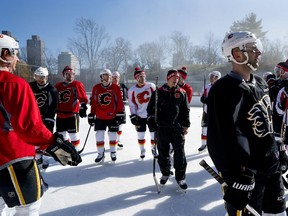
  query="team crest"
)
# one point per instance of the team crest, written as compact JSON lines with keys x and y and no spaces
{"x":261,"y":118}
{"x":177,"y":95}
{"x":105,"y":98}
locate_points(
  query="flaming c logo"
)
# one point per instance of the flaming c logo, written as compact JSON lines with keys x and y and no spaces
{"x":64,"y":96}
{"x":41,"y":99}
{"x":143,"y":97}
{"x":105,"y":98}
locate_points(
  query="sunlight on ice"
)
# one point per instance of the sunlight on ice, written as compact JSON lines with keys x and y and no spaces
{"x":212,"y":205}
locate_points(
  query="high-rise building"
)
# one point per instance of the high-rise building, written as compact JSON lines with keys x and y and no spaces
{"x":35,"y":51}
{"x":67,"y":59}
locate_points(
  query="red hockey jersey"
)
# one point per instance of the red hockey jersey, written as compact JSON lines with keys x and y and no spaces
{"x":106,"y":101}
{"x":21,"y":127}
{"x":70,"y":96}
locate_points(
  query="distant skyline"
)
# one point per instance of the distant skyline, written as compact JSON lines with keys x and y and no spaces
{"x":138,"y":21}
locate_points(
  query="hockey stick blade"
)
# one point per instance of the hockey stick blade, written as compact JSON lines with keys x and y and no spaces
{"x":79,"y":152}
{"x":212,"y":172}
{"x":158,"y":188}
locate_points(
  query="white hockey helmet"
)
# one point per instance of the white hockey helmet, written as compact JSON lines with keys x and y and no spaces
{"x":216,"y":74}
{"x":239,"y":40}
{"x":105,"y":71}
{"x":115,"y":74}
{"x":7,"y":42}
{"x":41,"y":71}
{"x":266,"y":74}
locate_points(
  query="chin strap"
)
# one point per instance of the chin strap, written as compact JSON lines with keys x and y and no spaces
{"x":245,"y":62}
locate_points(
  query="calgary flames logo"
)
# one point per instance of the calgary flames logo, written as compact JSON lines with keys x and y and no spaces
{"x":262,"y":121}
{"x":41,"y":99}
{"x":143,"y":97}
{"x":64,"y":96}
{"x":105,"y":98}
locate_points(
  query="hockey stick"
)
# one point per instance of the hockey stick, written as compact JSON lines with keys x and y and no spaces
{"x":223,"y":183}
{"x":85,"y":140}
{"x":154,"y":159}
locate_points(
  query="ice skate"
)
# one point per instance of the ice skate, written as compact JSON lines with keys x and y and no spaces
{"x":120,"y":146}
{"x":100,"y":158}
{"x":142,"y":154}
{"x":182,"y":186}
{"x":202,"y":148}
{"x":163,"y":180}
{"x":113,"y":156}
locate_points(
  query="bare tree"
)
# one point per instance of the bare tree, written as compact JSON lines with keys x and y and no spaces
{"x":116,"y":56}
{"x":180,"y":47}
{"x":150,"y":55}
{"x":91,"y":40}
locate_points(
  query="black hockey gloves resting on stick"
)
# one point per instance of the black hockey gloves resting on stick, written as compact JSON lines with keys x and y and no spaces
{"x":91,"y":119}
{"x":224,"y":185}
{"x":239,"y":189}
{"x":134,"y":119}
{"x":283,"y":158}
{"x":64,"y":152}
{"x":119,"y":119}
{"x":82,"y":112}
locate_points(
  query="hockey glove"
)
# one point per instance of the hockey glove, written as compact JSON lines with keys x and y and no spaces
{"x":283,"y":158}
{"x":151,"y":123}
{"x":82,"y":112}
{"x":64,"y":152}
{"x":239,"y":189}
{"x":134,"y":119}
{"x":119,"y":118}
{"x":91,"y":119}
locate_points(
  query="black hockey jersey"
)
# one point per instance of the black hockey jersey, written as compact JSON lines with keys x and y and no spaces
{"x":46,"y":97}
{"x":240,"y":131}
{"x":172,"y":107}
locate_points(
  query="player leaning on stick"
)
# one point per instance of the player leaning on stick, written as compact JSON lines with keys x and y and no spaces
{"x":21,"y":130}
{"x":171,"y":127}
{"x":240,"y":136}
{"x":72,"y":100}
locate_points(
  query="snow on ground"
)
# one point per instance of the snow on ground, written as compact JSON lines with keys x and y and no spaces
{"x":127,"y":187}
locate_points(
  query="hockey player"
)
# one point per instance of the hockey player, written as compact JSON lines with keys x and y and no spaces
{"x":240,"y":136}
{"x":72,"y":100}
{"x":21,"y":130}
{"x":124,"y":92}
{"x":46,"y":97}
{"x":185,"y":86}
{"x":213,"y":77}
{"x":171,"y":127}
{"x":107,"y":110}
{"x":138,"y":98}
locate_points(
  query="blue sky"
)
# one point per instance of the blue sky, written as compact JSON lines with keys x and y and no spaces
{"x":138,"y":21}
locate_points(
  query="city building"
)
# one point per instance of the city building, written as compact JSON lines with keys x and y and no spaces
{"x":67,"y":58}
{"x":35,"y":51}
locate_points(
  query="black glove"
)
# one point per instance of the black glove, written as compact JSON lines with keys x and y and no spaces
{"x":91,"y":119}
{"x":151,"y":123}
{"x":239,"y":189}
{"x":119,"y":118}
{"x":49,"y":123}
{"x":134,"y":119}
{"x":64,"y":152}
{"x":283,"y":158}
{"x":82,"y":111}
